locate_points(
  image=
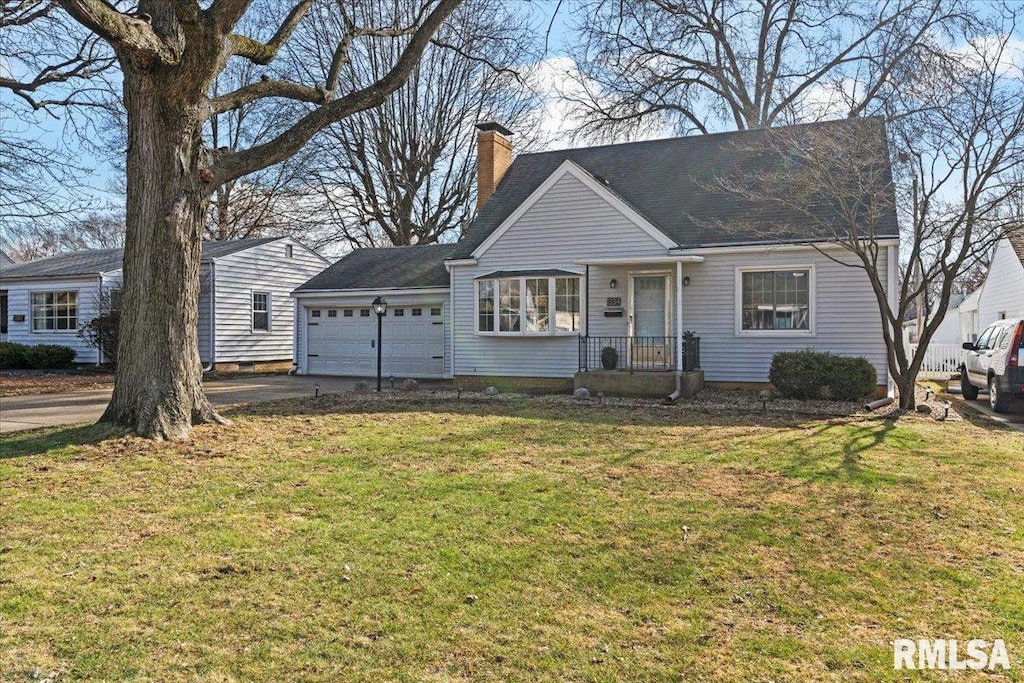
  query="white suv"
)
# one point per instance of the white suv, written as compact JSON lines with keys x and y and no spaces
{"x":995,"y":362}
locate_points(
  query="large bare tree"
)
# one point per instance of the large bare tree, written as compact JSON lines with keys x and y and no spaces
{"x":170,"y":53}
{"x":706,"y":65}
{"x":956,"y":143}
{"x":403,"y":173}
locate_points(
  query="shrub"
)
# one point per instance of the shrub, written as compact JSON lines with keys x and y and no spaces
{"x":49,"y":356}
{"x":12,"y":356}
{"x":101,"y":332}
{"x":813,"y":374}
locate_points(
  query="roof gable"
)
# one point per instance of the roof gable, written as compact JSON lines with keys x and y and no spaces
{"x":667,"y":182}
{"x":571,"y":168}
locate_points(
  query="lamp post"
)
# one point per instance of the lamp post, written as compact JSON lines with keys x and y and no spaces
{"x":380,"y":307}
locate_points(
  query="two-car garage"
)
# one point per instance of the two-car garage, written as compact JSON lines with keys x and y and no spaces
{"x":336,"y":327}
{"x":343,"y":341}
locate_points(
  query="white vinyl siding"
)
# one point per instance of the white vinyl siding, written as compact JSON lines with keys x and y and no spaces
{"x":263,"y":268}
{"x":846,"y":319}
{"x":568,"y":224}
{"x":1003,"y":291}
{"x":19,"y":302}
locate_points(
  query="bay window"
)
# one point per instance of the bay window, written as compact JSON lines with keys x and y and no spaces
{"x":528,"y":305}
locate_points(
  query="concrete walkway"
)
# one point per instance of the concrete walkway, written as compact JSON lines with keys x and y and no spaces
{"x":46,"y":410}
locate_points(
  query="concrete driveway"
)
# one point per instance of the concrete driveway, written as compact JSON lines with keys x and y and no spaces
{"x":1013,"y":419}
{"x":45,"y":410}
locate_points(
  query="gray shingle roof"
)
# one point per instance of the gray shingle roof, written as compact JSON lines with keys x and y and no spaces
{"x":670,"y":183}
{"x":95,"y":261}
{"x":421,"y":265}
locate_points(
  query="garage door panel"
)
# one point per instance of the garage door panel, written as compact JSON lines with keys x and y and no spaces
{"x":413,"y":346}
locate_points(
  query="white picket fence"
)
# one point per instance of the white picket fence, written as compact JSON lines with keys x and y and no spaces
{"x":941,"y":361}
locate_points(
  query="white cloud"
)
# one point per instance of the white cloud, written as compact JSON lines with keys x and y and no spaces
{"x":559,"y":82}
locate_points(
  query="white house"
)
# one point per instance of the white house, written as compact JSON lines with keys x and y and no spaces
{"x":620,"y":246}
{"x":1001,"y":296}
{"x":245,"y":311}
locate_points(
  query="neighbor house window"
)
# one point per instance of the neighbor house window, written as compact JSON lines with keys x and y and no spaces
{"x":776,"y":300}
{"x":54,"y":311}
{"x":261,"y":311}
{"x":528,"y":305}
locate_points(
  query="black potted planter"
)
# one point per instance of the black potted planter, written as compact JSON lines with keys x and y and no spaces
{"x":609,"y":358}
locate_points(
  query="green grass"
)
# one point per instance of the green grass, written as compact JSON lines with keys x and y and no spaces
{"x":339,"y":542}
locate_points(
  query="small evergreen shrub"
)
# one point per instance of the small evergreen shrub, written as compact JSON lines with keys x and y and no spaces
{"x":609,"y":358}
{"x":12,"y":356}
{"x":814,"y":374}
{"x":49,"y":356}
{"x":43,"y":357}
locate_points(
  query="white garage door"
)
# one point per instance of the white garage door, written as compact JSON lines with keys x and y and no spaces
{"x":343,"y":341}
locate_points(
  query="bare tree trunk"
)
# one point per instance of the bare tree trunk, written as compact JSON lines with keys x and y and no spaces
{"x":158,"y":386}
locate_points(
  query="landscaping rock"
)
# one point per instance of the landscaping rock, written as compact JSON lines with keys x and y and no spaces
{"x":491,"y":391}
{"x":581,"y":394}
{"x":924,"y":408}
{"x":361,"y":387}
{"x":470,"y":599}
{"x":410,"y":385}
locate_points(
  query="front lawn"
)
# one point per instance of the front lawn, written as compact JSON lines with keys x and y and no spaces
{"x":512,"y":539}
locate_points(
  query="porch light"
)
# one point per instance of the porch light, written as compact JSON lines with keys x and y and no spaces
{"x":686,"y":281}
{"x":613,"y":283}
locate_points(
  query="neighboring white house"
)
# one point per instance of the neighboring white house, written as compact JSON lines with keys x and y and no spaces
{"x":577,"y":250}
{"x":246,"y":314}
{"x":1002,"y":294}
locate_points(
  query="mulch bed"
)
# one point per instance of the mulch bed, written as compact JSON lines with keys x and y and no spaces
{"x":26,"y":382}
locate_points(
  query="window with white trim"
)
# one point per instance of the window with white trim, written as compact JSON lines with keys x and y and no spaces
{"x":54,"y":311}
{"x":528,"y":305}
{"x":261,"y":311}
{"x":776,"y":300}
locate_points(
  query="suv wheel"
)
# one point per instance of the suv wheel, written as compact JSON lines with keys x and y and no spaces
{"x":968,"y":390}
{"x":999,"y":403}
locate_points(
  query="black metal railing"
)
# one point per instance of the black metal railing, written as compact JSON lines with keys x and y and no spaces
{"x":637,"y":353}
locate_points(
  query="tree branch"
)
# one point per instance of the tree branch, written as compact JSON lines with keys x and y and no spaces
{"x":128,"y":33}
{"x":236,"y":164}
{"x":268,"y":88}
{"x":264,"y":53}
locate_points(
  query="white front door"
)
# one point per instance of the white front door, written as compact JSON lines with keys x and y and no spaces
{"x":650,"y":305}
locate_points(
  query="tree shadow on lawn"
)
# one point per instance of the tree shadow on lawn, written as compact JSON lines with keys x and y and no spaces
{"x":838,"y":451}
{"x":48,"y":439}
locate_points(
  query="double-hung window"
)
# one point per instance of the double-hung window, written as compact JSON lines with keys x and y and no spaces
{"x":776,"y":300}
{"x":260,"y":311}
{"x":528,"y":305}
{"x":54,"y":311}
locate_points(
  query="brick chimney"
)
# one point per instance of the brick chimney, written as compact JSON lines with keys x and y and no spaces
{"x":493,"y":157}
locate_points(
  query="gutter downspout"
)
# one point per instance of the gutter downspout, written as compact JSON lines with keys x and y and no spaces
{"x":99,"y":300}
{"x":213,"y":318}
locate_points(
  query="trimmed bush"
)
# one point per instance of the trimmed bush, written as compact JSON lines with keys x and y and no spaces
{"x":42,"y":357}
{"x":813,"y":374}
{"x":12,"y":356}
